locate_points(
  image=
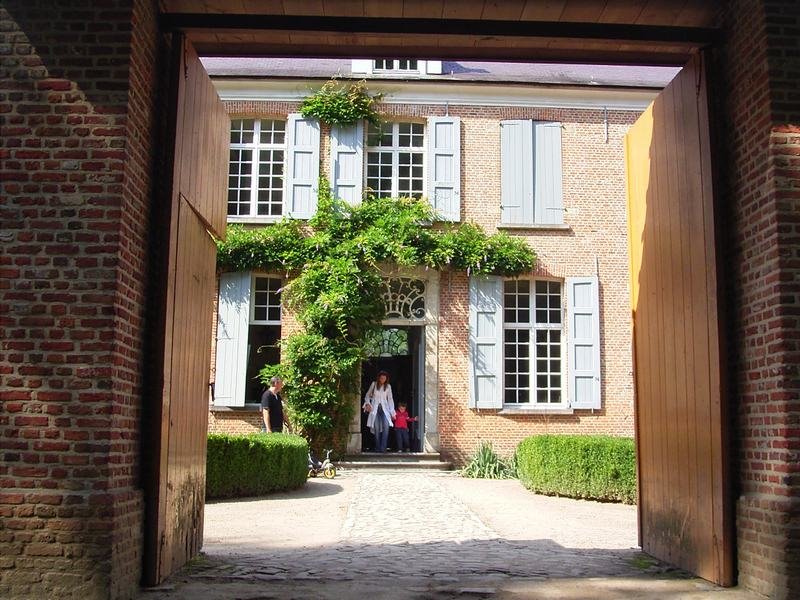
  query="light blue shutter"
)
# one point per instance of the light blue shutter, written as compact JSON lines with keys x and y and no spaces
{"x":486,"y":342}
{"x":302,"y":167}
{"x":547,"y":173}
{"x":444,"y":166}
{"x":233,"y":318}
{"x":347,"y":162}
{"x":516,"y":172}
{"x":583,"y":341}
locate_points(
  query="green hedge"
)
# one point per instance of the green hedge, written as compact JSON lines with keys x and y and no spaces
{"x":252,"y":465}
{"x":593,"y":467}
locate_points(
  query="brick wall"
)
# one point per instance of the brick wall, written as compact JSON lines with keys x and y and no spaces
{"x":594,"y":199}
{"x":238,"y":422}
{"x":595,"y":210}
{"x":760,"y":68}
{"x":76,"y":97}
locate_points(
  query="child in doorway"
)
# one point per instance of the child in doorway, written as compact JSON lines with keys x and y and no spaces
{"x":401,"y":420}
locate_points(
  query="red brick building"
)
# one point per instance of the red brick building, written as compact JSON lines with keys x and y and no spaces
{"x":533,"y":150}
{"x":84,"y":104}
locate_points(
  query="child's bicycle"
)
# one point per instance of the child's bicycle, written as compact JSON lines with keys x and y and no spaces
{"x":326,"y":467}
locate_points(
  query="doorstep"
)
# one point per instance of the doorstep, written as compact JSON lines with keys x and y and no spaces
{"x":395,"y":460}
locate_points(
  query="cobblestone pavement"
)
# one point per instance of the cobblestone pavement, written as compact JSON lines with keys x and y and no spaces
{"x":415,"y":534}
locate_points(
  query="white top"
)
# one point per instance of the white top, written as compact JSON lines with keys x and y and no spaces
{"x":379,"y":397}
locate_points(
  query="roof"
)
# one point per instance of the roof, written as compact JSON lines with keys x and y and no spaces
{"x":457,"y":71}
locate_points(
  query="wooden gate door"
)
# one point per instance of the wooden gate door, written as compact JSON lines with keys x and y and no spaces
{"x":684,"y":510}
{"x":197,"y":210}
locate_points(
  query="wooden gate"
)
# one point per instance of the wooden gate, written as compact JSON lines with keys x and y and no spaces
{"x":684,"y":511}
{"x":196,"y":210}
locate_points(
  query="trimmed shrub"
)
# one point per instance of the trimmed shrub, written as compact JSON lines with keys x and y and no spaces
{"x":593,"y":467}
{"x":256,"y":464}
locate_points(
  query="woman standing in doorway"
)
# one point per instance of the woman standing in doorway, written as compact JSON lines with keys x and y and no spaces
{"x":380,"y":405}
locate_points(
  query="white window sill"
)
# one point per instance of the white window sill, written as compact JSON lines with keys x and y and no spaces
{"x":534,"y":410}
{"x":254,"y":220}
{"x":246,"y":408}
{"x":537,"y":226}
{"x":377,"y":74}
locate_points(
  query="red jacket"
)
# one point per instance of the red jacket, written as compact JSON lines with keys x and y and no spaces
{"x":401,"y":419}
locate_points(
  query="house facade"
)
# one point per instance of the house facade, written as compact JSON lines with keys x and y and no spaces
{"x":534,"y":152}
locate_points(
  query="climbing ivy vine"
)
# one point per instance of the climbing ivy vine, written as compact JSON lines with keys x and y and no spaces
{"x":339,"y":103}
{"x":333,"y":267}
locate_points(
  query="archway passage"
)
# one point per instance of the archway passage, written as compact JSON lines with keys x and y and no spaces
{"x":664,"y":39}
{"x":754,"y":80}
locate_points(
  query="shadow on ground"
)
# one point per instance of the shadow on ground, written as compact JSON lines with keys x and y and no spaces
{"x":318,"y":489}
{"x":496,"y":568}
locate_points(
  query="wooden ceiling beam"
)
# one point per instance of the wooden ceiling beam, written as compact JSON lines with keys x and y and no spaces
{"x":694,"y":36}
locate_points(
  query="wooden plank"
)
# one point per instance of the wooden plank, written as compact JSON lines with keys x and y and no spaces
{"x":201,"y":140}
{"x":722,"y":506}
{"x":583,"y":11}
{"x":655,"y":208}
{"x":263,"y":7}
{"x":684,"y":515}
{"x":503,"y":10}
{"x":380,"y":8}
{"x":550,"y":10}
{"x":690,"y":13}
{"x":637,"y":179}
{"x":205,"y":124}
{"x":687,"y":376}
{"x":187,"y":426}
{"x":303,"y":7}
{"x":622,"y":11}
{"x":698,"y":13}
{"x":423,"y":9}
{"x":343,"y":8}
{"x":224,"y":6}
{"x":685,"y":538}
{"x":462,"y":9}
{"x":660,"y":12}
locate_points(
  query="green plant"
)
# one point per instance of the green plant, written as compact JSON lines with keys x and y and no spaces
{"x":591,"y":467}
{"x":251,"y":465}
{"x":339,"y":103}
{"x":333,"y":264}
{"x":486,"y":464}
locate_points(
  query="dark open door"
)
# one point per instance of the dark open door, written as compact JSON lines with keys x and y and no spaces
{"x":179,"y":418}
{"x":684,"y":514}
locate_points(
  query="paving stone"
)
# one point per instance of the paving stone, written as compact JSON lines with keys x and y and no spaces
{"x":420,"y":531}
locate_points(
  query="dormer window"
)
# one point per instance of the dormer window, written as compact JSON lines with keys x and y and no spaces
{"x":396,"y":67}
{"x":397,"y":64}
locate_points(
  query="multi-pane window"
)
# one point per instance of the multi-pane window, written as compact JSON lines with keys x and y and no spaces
{"x":388,"y":64}
{"x":266,"y":301}
{"x":532,"y":342}
{"x":255,"y":174}
{"x":395,"y":159}
{"x":264,"y":332}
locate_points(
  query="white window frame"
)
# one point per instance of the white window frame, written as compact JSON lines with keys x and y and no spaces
{"x":396,"y":65}
{"x":256,"y":147}
{"x":396,"y":150}
{"x":367,"y":67}
{"x":252,"y":300}
{"x":532,"y":327}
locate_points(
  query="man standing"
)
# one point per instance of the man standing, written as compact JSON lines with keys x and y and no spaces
{"x":272,"y":406}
